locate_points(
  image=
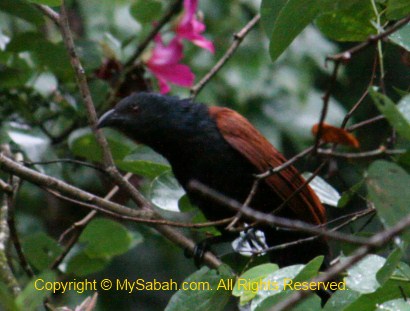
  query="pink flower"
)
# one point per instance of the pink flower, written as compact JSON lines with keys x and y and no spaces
{"x":164,"y":65}
{"x":190,"y":28}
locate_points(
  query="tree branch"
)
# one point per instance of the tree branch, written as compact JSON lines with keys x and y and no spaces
{"x":325,"y":106}
{"x":143,"y":215}
{"x":347,"y":55}
{"x":42,"y":180}
{"x":11,"y":203}
{"x":270,"y":219}
{"x":238,"y":38}
{"x":6,"y":274}
{"x":173,"y":9}
{"x":377,"y":241}
{"x":49,"y":12}
{"x":360,"y":155}
{"x":5,"y":187}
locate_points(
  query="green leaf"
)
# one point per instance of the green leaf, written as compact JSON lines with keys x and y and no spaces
{"x":247,"y":284}
{"x":46,"y":55}
{"x":389,"y":267}
{"x":146,"y":11}
{"x":402,"y":271}
{"x":82,"y":265}
{"x":310,"y":270}
{"x":90,"y":53}
{"x":362,"y":276}
{"x":4,"y":40}
{"x":144,"y":168}
{"x":82,"y":143}
{"x":351,"y":21}
{"x":34,"y":143}
{"x":47,"y":2}
{"x":184,"y":205}
{"x":388,"y":187}
{"x":165,"y":192}
{"x":278,"y":279}
{"x":402,"y":37}
{"x":389,"y":291}
{"x":348,"y":195}
{"x":200,"y":218}
{"x":394,"y":305}
{"x":341,"y":299}
{"x":311,"y":303}
{"x":105,"y":238}
{"x":32,"y":296}
{"x":285,"y":20}
{"x":23,"y":10}
{"x":404,"y":160}
{"x":213,"y":296}
{"x":269,"y":13}
{"x":404,"y":105}
{"x":15,"y":75}
{"x":397,"y":9}
{"x":41,"y":250}
{"x":7,"y":301}
{"x":144,"y":161}
{"x":392,"y":113}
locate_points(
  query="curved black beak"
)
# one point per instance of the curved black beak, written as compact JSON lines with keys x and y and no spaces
{"x":107,"y":118}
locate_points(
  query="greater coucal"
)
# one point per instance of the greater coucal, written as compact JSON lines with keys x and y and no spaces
{"x":221,"y":149}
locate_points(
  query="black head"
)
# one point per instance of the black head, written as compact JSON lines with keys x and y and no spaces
{"x":154,"y":119}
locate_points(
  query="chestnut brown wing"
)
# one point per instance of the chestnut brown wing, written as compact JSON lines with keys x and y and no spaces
{"x":243,"y":137}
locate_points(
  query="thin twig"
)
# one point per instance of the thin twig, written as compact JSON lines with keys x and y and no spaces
{"x":130,"y":64}
{"x":11,"y":203}
{"x":77,"y":228}
{"x":378,"y":240}
{"x":325,"y":106}
{"x":364,"y":123}
{"x":45,"y":181}
{"x":6,"y":274}
{"x":308,"y":150}
{"x":84,"y":221}
{"x":351,"y":216}
{"x":270,"y":219}
{"x":173,"y":10}
{"x":72,"y":161}
{"x":362,"y":98}
{"x":246,"y":203}
{"x":83,"y":86}
{"x":288,"y":163}
{"x":238,"y":38}
{"x":347,"y":55}
{"x":300,"y":188}
{"x":49,"y":12}
{"x":361,"y":155}
{"x":5,"y":187}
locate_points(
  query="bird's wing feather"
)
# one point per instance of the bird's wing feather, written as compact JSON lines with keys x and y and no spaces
{"x":243,"y":137}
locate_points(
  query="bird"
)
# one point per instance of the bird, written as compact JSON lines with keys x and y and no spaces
{"x":221,"y":149}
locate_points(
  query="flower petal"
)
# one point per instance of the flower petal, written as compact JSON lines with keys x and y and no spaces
{"x":190,"y":28}
{"x":178,"y":74}
{"x":163,"y":55}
